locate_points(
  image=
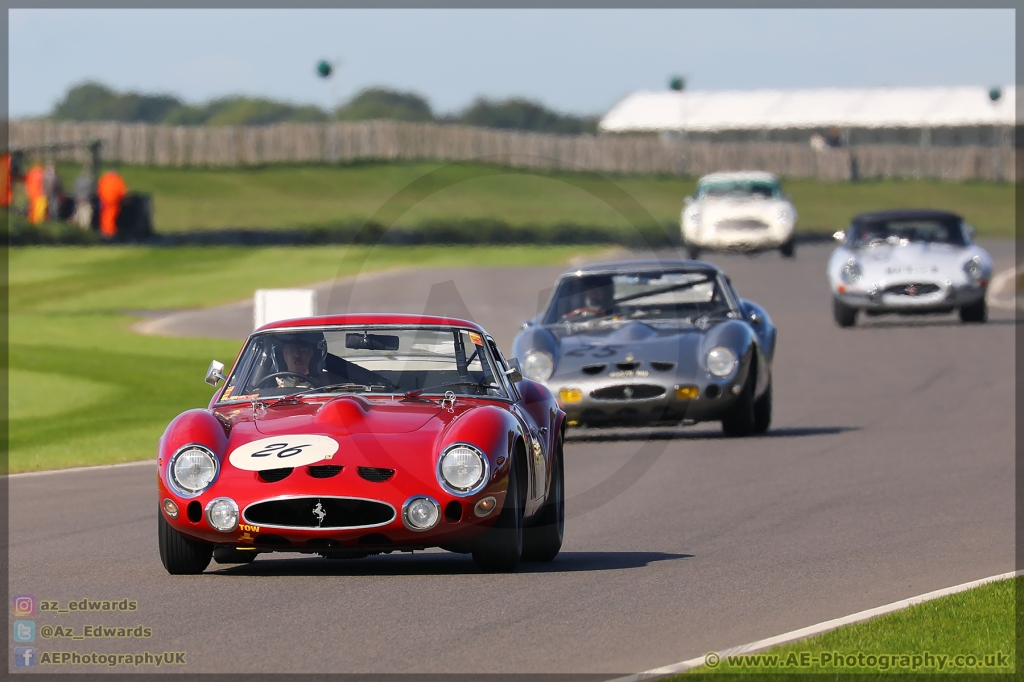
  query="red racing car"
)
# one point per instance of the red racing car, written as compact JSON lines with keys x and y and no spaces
{"x":353,"y":435}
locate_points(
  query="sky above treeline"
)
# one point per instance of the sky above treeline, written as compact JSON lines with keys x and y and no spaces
{"x":573,"y":61}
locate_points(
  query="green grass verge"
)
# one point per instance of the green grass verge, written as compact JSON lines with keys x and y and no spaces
{"x":84,"y":389}
{"x":976,"y":625}
{"x":415,"y":194}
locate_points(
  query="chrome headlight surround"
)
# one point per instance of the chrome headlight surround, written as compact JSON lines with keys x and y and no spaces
{"x":974,"y":270}
{"x":721,"y":361}
{"x":177,"y":486}
{"x":477,"y":485}
{"x":851,"y":271}
{"x":538,"y":365}
{"x":417,"y":499}
{"x":214,"y":506}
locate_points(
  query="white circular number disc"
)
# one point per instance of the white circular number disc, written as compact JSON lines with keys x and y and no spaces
{"x":282,"y":451}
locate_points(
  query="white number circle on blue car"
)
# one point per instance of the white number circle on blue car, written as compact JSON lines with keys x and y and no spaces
{"x":282,"y":451}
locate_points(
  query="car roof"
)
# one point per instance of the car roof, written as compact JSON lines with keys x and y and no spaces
{"x":906,"y":214}
{"x":371,"y":319}
{"x":753,"y":176}
{"x":649,"y":265}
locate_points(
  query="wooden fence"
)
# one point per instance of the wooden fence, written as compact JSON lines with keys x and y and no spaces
{"x":342,"y":142}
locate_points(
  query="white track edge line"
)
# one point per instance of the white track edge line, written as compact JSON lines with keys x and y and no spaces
{"x":802,"y":633}
{"x":92,"y":468}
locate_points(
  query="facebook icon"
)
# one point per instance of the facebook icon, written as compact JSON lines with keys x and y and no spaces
{"x":24,"y":656}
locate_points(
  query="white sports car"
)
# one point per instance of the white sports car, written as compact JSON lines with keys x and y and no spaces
{"x":908,"y":262}
{"x":744,"y":211}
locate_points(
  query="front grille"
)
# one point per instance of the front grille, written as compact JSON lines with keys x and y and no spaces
{"x":273,"y":475}
{"x":324,"y":470}
{"x":628,"y":392}
{"x":913,"y":289}
{"x":319,"y":512}
{"x":376,"y":475}
{"x":741,"y":224}
{"x":593,"y":369}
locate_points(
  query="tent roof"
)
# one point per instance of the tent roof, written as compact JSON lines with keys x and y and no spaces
{"x":780,"y":109}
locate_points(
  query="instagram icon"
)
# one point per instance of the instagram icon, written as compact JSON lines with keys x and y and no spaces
{"x":24,"y":605}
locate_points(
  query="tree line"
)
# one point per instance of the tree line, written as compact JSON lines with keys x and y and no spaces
{"x":91,"y":101}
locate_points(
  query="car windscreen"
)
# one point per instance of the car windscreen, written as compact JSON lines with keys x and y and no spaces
{"x":364,"y":360}
{"x":741,"y":188}
{"x":929,"y":230}
{"x":653,"y":295}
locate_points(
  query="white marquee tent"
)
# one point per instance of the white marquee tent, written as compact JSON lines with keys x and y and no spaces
{"x":717,"y":111}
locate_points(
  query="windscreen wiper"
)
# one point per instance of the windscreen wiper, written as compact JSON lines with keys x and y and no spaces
{"x":324,"y":389}
{"x":416,"y":393}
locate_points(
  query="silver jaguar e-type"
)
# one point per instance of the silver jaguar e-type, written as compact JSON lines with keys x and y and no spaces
{"x":652,"y":343}
{"x":908,"y":262}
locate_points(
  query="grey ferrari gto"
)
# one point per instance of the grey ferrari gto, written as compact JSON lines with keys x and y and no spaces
{"x":652,"y":343}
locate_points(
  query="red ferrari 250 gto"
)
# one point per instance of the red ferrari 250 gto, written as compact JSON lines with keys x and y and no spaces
{"x":353,"y":435}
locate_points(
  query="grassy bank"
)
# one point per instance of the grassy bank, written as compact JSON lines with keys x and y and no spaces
{"x":84,"y":389}
{"x":414,"y":194}
{"x":967,"y":633}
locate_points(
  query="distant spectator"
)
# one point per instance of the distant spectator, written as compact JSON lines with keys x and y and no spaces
{"x":54,"y":191}
{"x":85,"y":192}
{"x":818,"y":142}
{"x":111,"y":190}
{"x":6,"y":170}
{"x":36,"y":194}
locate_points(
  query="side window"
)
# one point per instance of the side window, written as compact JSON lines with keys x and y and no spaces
{"x":502,"y":365}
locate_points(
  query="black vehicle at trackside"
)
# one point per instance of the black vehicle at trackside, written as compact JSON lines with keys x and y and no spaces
{"x":652,"y":343}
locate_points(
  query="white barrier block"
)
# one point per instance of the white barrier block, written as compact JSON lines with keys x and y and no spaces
{"x":271,"y":305}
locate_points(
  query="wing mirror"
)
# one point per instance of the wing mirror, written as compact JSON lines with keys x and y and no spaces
{"x":971,"y":231}
{"x":514,"y":371}
{"x":839,"y":235}
{"x":215,"y":373}
{"x":688,"y":200}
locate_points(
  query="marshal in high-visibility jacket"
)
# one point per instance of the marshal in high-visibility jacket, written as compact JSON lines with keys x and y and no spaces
{"x":111,"y":190}
{"x":36,"y":195}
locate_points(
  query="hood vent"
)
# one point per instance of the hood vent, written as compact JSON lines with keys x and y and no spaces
{"x":663,"y":366}
{"x":273,"y":475}
{"x":324,"y":470}
{"x":627,"y":365}
{"x":376,"y":475}
{"x":593,"y":369}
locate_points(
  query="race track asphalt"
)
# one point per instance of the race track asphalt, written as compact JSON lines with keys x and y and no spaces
{"x":888,"y":472}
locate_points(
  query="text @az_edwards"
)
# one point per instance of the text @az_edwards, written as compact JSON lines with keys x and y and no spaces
{"x":112,"y":660}
{"x":836,"y":660}
{"x":95,"y":632}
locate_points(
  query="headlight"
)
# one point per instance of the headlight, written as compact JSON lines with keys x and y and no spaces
{"x":222,"y":514}
{"x":191,"y":470}
{"x":538,"y":365}
{"x":721,"y":361}
{"x":420,"y":513}
{"x":462,"y":469}
{"x":693,"y":216}
{"x":851,"y":272}
{"x":785,"y":215}
{"x":974,"y":271}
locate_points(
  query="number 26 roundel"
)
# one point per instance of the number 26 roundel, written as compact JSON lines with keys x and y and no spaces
{"x":282,"y":451}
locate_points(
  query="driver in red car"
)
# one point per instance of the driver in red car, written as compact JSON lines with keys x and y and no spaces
{"x":301,"y":354}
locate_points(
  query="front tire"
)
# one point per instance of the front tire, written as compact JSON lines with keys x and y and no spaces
{"x":788,"y":250}
{"x":975,"y":313}
{"x":179,"y":554}
{"x":739,"y":420}
{"x":845,"y":316}
{"x":763,"y":411}
{"x":693,"y":251}
{"x":543,"y":541}
{"x":500,"y":548}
